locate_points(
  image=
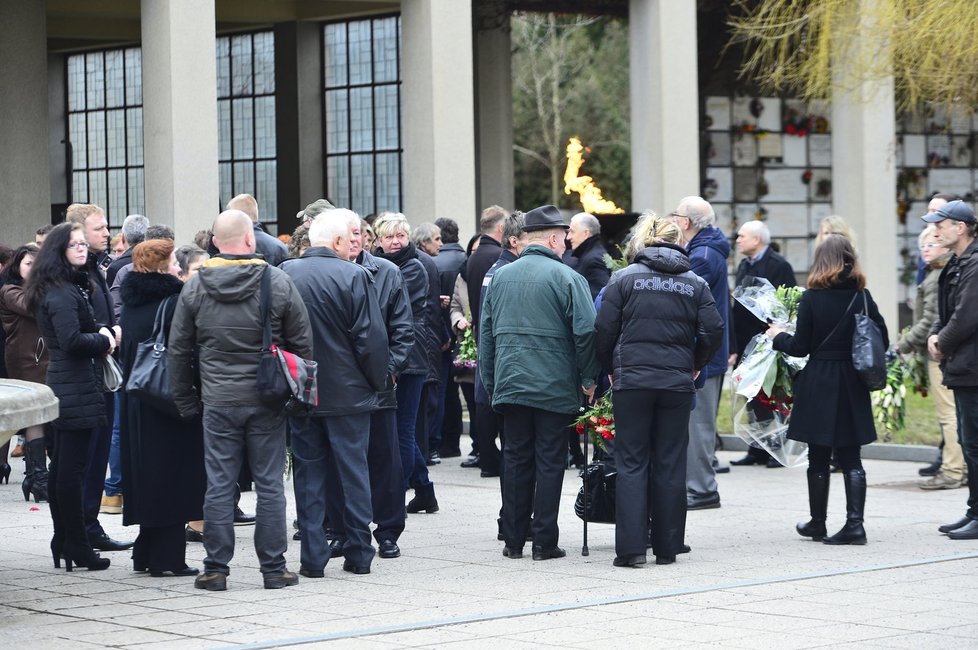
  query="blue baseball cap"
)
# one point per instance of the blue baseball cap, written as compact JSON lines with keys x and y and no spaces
{"x":955,"y":210}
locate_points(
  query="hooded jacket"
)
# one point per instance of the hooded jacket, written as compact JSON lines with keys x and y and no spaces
{"x":708,"y":251}
{"x":348,"y":333}
{"x":658,"y":323}
{"x":219,"y":312}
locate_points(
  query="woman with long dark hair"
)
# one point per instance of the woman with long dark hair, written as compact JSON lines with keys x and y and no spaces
{"x":57,"y":292}
{"x":657,"y":327}
{"x":162,"y":456}
{"x":26,"y":359}
{"x":832,"y":409}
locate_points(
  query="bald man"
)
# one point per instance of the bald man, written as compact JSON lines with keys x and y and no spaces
{"x":274,"y":251}
{"x":218,"y":314}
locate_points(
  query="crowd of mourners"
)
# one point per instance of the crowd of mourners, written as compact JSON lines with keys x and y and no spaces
{"x":384,"y":310}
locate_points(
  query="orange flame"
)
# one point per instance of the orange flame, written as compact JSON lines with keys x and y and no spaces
{"x":590,"y":194}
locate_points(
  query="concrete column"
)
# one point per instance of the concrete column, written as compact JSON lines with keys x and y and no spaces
{"x":438,"y":118}
{"x":180,"y":114}
{"x":25,"y":193}
{"x":864,"y":178}
{"x":664,"y":102}
{"x":298,"y":119}
{"x":494,"y":89}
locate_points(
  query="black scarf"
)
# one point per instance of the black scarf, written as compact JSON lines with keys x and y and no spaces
{"x":401,"y":257}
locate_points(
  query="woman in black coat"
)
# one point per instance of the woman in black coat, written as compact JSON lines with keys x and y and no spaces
{"x":657,"y":327}
{"x":57,"y":290}
{"x":832,"y":408}
{"x":393,"y":236}
{"x":162,"y":456}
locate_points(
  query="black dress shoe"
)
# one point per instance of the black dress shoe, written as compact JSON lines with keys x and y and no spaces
{"x":932,"y":469}
{"x":350,"y":567}
{"x":488,"y":474}
{"x":723,"y":469}
{"x":773,"y":463}
{"x":426,"y":503}
{"x":311,"y":573}
{"x":947,"y":528}
{"x":105,"y":543}
{"x":471,"y":461}
{"x":297,"y":535}
{"x":450,"y":453}
{"x":336,"y":547}
{"x":665,"y":559}
{"x":241,"y":519}
{"x":176,"y":573}
{"x":192,"y":535}
{"x":389,"y":549}
{"x":748,"y":460}
{"x":540,"y":553}
{"x":512,"y":553}
{"x":632,"y":561}
{"x":703,"y":502}
{"x":968,"y":531}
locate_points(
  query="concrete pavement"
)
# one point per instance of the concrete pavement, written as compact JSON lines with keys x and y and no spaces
{"x":750,"y":581}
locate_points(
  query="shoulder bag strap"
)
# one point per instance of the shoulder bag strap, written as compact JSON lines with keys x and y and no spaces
{"x":266,"y":290}
{"x":159,"y":334}
{"x":841,"y":319}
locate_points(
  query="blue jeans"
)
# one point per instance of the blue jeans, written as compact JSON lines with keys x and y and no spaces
{"x":408,"y":400}
{"x":113,"y":484}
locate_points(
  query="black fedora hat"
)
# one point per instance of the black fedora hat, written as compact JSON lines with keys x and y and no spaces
{"x":545,"y":217}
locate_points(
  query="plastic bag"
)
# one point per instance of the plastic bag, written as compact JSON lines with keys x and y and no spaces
{"x":760,"y":298}
{"x":767,"y":429}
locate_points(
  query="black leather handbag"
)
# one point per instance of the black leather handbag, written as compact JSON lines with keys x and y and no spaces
{"x":868,"y":350}
{"x":148,"y":378}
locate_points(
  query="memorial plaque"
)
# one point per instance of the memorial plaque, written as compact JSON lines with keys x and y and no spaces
{"x":785,"y":185}
{"x":950,"y":181}
{"x":744,"y":150}
{"x":914,"y":151}
{"x":769,"y":146}
{"x":960,"y":151}
{"x":720,"y":183}
{"x":718,"y":110}
{"x":787,"y":219}
{"x":820,"y":150}
{"x":818,"y":190}
{"x":795,"y":151}
{"x":745,"y":184}
{"x":770,"y":119}
{"x":719,"y":153}
{"x":796,"y":252}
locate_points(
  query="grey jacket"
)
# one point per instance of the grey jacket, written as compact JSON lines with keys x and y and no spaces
{"x":218,"y":315}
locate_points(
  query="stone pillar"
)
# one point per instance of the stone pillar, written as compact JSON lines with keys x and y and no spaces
{"x":298,"y":119}
{"x":438,"y":118}
{"x":180,"y":114}
{"x":664,"y":103}
{"x":25,"y":193}
{"x":864,"y":178}
{"x":494,"y":90}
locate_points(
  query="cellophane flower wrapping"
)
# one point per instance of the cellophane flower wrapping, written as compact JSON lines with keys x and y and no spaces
{"x":762,"y":382}
{"x":466,"y":356}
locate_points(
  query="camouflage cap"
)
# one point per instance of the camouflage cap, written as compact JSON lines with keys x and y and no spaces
{"x":316,"y":208}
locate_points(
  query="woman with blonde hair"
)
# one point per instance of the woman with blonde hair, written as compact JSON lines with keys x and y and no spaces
{"x":657,"y":327}
{"x":834,"y":225}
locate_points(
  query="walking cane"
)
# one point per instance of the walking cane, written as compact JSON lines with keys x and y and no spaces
{"x":584,"y":550}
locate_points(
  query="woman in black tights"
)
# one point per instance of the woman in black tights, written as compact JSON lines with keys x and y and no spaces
{"x":57,"y":291}
{"x":832,"y":408}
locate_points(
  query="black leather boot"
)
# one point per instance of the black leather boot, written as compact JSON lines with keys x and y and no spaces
{"x":818,"y":503}
{"x":37,"y":470}
{"x":853,"y":532}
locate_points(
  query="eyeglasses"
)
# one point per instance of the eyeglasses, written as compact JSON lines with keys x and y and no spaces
{"x":676,"y":214}
{"x":79,"y":245}
{"x":927,"y":246}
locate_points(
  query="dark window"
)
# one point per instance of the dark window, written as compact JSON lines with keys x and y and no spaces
{"x":105,"y":131}
{"x":362,"y":109}
{"x":246,"y":120}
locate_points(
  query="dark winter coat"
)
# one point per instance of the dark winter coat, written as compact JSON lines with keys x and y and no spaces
{"x":99,"y":296}
{"x":743,"y":326}
{"x":437,"y":325}
{"x":956,"y":324}
{"x":163,"y":479}
{"x":475,"y":272}
{"x":24,"y":354}
{"x":416,"y":283}
{"x":124,"y":258}
{"x":831,"y":404}
{"x":74,"y":346}
{"x":219,"y":312}
{"x":271,"y":248}
{"x":658,"y":323}
{"x":395,"y":308}
{"x":349,"y":338}
{"x":590,"y":263}
{"x":708,"y":251}
{"x":450,"y":262}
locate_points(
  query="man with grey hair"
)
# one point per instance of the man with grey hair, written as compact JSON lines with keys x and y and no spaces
{"x":760,"y":261}
{"x":588,"y":252}
{"x":133,"y":232}
{"x":708,"y":250}
{"x":427,"y":237}
{"x":350,"y":346}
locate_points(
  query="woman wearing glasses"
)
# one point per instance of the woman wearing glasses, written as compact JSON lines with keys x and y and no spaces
{"x":57,"y":292}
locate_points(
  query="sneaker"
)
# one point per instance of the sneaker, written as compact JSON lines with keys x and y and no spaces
{"x":940,"y":481}
{"x":211,"y":581}
{"x":278,"y":580}
{"x":111,"y":505}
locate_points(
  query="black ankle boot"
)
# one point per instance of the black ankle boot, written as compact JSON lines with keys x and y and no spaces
{"x":818,"y":502}
{"x":36,"y":482}
{"x":853,"y":532}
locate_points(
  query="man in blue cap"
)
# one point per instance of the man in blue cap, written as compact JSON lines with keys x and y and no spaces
{"x":536,"y":358}
{"x":953,"y":341}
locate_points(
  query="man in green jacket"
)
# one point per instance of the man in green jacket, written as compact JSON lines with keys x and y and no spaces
{"x":536,"y":358}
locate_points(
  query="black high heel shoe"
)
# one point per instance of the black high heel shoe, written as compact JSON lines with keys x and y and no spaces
{"x":86,"y":558}
{"x":5,"y":473}
{"x":56,"y":547}
{"x":26,"y":487}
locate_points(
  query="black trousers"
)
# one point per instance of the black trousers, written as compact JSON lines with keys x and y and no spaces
{"x":651,"y":436}
{"x":97,"y":455}
{"x":160,"y":548}
{"x":533,"y":459}
{"x":468,"y":393}
{"x":66,"y":477}
{"x":966,"y":405}
{"x":451,"y":424}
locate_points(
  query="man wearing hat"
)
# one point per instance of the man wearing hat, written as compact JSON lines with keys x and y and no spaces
{"x":953,"y":341}
{"x":536,"y":358}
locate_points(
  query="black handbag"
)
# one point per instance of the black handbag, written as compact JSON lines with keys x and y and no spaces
{"x":868,"y":350}
{"x":286,"y":383}
{"x":599,"y":499}
{"x":148,"y":378}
